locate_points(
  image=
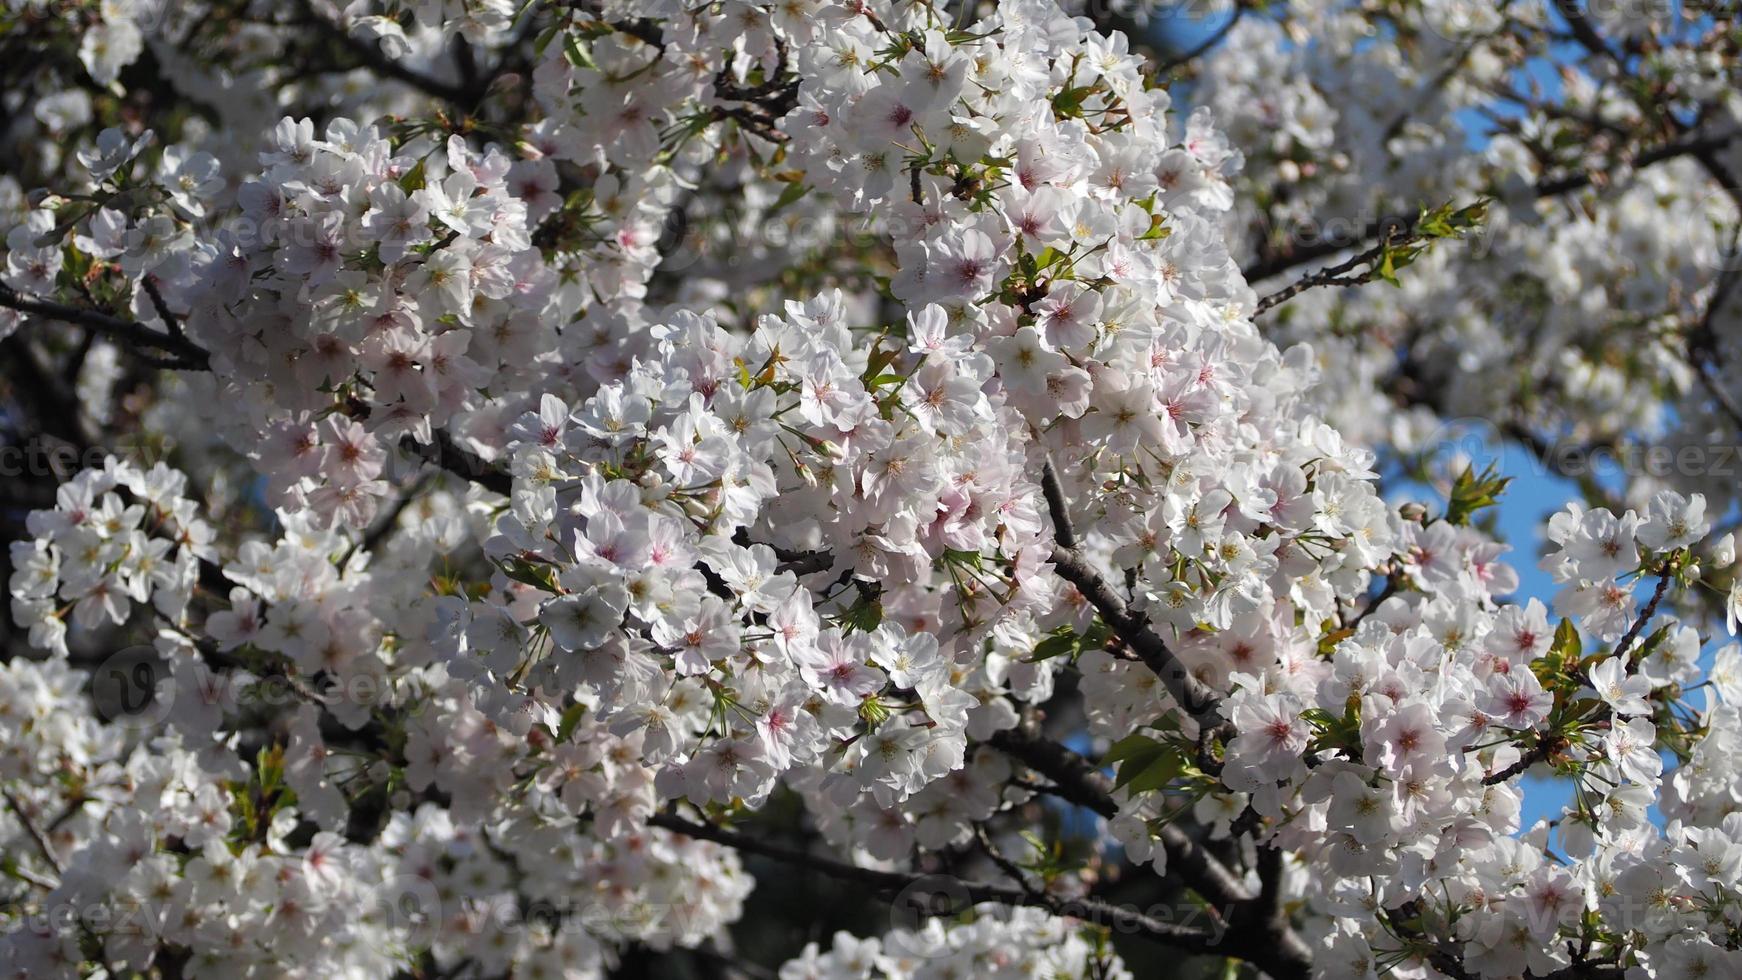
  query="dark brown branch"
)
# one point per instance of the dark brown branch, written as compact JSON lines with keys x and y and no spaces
{"x":369,"y":55}
{"x":133,"y":336}
{"x":1262,"y":937}
{"x":1004,"y":864}
{"x":1132,"y":627}
{"x":1702,"y":345}
{"x":36,"y":838}
{"x":763,"y":105}
{"x":386,"y":522}
{"x":443,"y":452}
{"x":1062,"y":531}
{"x":1396,"y":233}
{"x":1547,"y":743}
{"x":795,"y":560}
{"x":957,"y":893}
{"x":1275,"y":264}
{"x":731,"y":964}
{"x":1081,"y":783}
{"x":171,"y":322}
{"x":1645,"y":615}
{"x":189,"y":356}
{"x":1393,"y":582}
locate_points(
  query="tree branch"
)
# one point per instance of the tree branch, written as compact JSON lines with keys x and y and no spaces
{"x":1547,"y":743}
{"x":1702,"y":344}
{"x":1214,"y":39}
{"x":442,"y":451}
{"x":1275,"y":264}
{"x":36,"y":838}
{"x":184,"y":353}
{"x":957,"y":892}
{"x":1081,"y":783}
{"x":1132,"y":627}
{"x":369,"y":55}
{"x":171,"y":322}
{"x":1395,"y":233}
{"x":1264,"y":939}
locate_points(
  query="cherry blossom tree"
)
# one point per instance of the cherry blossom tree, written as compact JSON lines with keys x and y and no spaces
{"x":527,"y":489}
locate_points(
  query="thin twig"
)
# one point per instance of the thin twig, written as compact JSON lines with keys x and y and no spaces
{"x":370,"y":55}
{"x":30,"y":830}
{"x":1208,"y":43}
{"x":1398,"y":232}
{"x":184,"y":354}
{"x":1274,"y":264}
{"x":170,"y":320}
{"x":1547,"y":743}
{"x":1645,"y":615}
{"x":960,"y":894}
{"x":1003,"y":863}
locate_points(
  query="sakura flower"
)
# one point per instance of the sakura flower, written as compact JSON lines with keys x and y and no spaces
{"x":1632,"y":746}
{"x":1624,"y":693}
{"x":1272,"y":737}
{"x":582,"y":621}
{"x":239,"y":624}
{"x":837,"y":666}
{"x":1674,"y":521}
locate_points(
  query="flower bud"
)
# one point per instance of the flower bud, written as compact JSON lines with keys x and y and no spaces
{"x":1724,"y":551}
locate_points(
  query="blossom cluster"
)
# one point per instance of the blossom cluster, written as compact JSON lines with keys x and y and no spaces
{"x":518,"y":528}
{"x":999,"y":943}
{"x":1611,"y":223}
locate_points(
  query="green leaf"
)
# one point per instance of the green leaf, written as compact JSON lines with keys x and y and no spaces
{"x":545,"y":37}
{"x":541,"y":577}
{"x":269,"y":763}
{"x":1644,"y":650}
{"x":1057,"y":645}
{"x":1472,"y":492}
{"x":578,"y":54}
{"x":879,"y":359}
{"x":1129,"y":747}
{"x":413,"y":179}
{"x":792,"y":193}
{"x":1566,"y":640}
{"x":1068,"y":104}
{"x":864,"y":615}
{"x":954,"y":556}
{"x":1160,"y":771}
{"x":571,"y":717}
{"x":1447,"y":222}
{"x":1145,"y":765}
